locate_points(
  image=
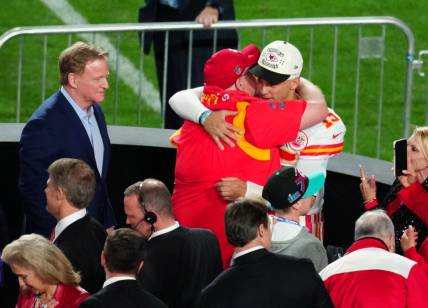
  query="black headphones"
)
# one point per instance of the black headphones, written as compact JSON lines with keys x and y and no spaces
{"x":149,"y":216}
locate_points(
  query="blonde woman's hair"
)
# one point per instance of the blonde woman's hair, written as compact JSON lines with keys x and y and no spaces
{"x":34,"y":252}
{"x":421,"y":136}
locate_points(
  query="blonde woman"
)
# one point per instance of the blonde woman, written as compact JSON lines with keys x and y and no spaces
{"x":46,"y":277}
{"x":407,"y":201}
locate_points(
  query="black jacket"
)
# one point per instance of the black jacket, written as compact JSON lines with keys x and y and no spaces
{"x":123,"y":293}
{"x":264,"y":279}
{"x":82,"y":243}
{"x":179,"y":264}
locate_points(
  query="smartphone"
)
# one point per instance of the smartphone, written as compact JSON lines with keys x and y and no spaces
{"x":400,"y":156}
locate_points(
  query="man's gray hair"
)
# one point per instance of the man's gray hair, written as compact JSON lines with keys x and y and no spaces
{"x":374,"y":223}
{"x":76,"y":178}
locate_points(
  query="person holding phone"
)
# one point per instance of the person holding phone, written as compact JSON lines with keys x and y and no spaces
{"x":408,"y":245}
{"x":407,"y":201}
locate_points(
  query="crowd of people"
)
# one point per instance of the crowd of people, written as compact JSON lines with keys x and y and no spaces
{"x":243,"y":226}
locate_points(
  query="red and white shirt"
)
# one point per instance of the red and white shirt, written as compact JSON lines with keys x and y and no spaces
{"x":371,"y":276}
{"x":309,"y":153}
{"x":321,"y":140}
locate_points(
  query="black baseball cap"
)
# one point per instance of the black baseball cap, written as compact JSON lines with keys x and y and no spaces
{"x":287,"y":186}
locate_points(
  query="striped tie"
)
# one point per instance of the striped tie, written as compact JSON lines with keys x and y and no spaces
{"x":52,"y":237}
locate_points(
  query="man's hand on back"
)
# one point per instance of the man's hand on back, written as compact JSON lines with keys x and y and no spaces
{"x":220,"y":130}
{"x":231,"y":188}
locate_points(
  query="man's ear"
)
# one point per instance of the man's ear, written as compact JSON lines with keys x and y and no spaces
{"x":60,"y":194}
{"x":238,"y":83}
{"x":72,"y":82}
{"x":260,"y":231}
{"x":390,"y":243}
{"x":297,"y":205}
{"x":295,"y":83}
{"x":103,"y":259}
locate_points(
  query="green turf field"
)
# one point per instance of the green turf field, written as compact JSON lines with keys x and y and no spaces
{"x":318,"y":67}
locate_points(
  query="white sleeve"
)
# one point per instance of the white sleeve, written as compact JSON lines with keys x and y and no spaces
{"x":187,"y":104}
{"x":307,"y":166}
{"x":253,"y":190}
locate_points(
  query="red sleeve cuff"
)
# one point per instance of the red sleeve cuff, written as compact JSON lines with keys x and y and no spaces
{"x":371,"y":204}
{"x":412,"y":254}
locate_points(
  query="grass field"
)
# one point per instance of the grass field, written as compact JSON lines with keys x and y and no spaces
{"x":318,"y":67}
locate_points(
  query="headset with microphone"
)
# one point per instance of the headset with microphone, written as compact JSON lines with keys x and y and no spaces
{"x":149,"y":216}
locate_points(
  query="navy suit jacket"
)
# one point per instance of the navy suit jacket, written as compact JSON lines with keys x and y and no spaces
{"x":55,"y":131}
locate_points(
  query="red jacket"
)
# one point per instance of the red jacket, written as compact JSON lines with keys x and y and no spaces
{"x":265,"y":126}
{"x":67,"y":296}
{"x":414,"y":196}
{"x":419,"y":256}
{"x":371,"y":276}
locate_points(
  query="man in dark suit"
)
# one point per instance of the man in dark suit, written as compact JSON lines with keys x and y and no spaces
{"x":257,"y":277}
{"x":68,"y":124}
{"x":180,"y":261}
{"x":122,"y":258}
{"x":70,"y":188}
{"x":205,"y":12}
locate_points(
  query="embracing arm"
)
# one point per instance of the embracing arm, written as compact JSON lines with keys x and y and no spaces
{"x":316,"y":107}
{"x":187,"y":104}
{"x":232,"y":188}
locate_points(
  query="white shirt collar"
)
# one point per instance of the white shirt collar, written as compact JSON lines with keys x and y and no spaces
{"x":116,"y":279}
{"x":68,"y":220}
{"x":80,"y":112}
{"x":244,"y":252}
{"x":166,"y":230}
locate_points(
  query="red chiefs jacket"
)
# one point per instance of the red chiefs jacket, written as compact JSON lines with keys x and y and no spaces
{"x":371,"y":276}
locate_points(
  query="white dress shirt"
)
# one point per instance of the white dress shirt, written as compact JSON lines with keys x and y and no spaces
{"x":68,"y":220}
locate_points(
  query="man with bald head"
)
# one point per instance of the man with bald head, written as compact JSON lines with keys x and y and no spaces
{"x":180,"y":261}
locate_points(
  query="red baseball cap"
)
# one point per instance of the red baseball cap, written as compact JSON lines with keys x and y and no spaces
{"x":227,"y":65}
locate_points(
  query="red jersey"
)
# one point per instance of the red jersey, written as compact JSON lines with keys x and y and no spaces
{"x":265,"y":126}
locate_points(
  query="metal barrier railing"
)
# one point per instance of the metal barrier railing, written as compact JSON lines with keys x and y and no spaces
{"x":367,"y":47}
{"x":418,"y":65}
